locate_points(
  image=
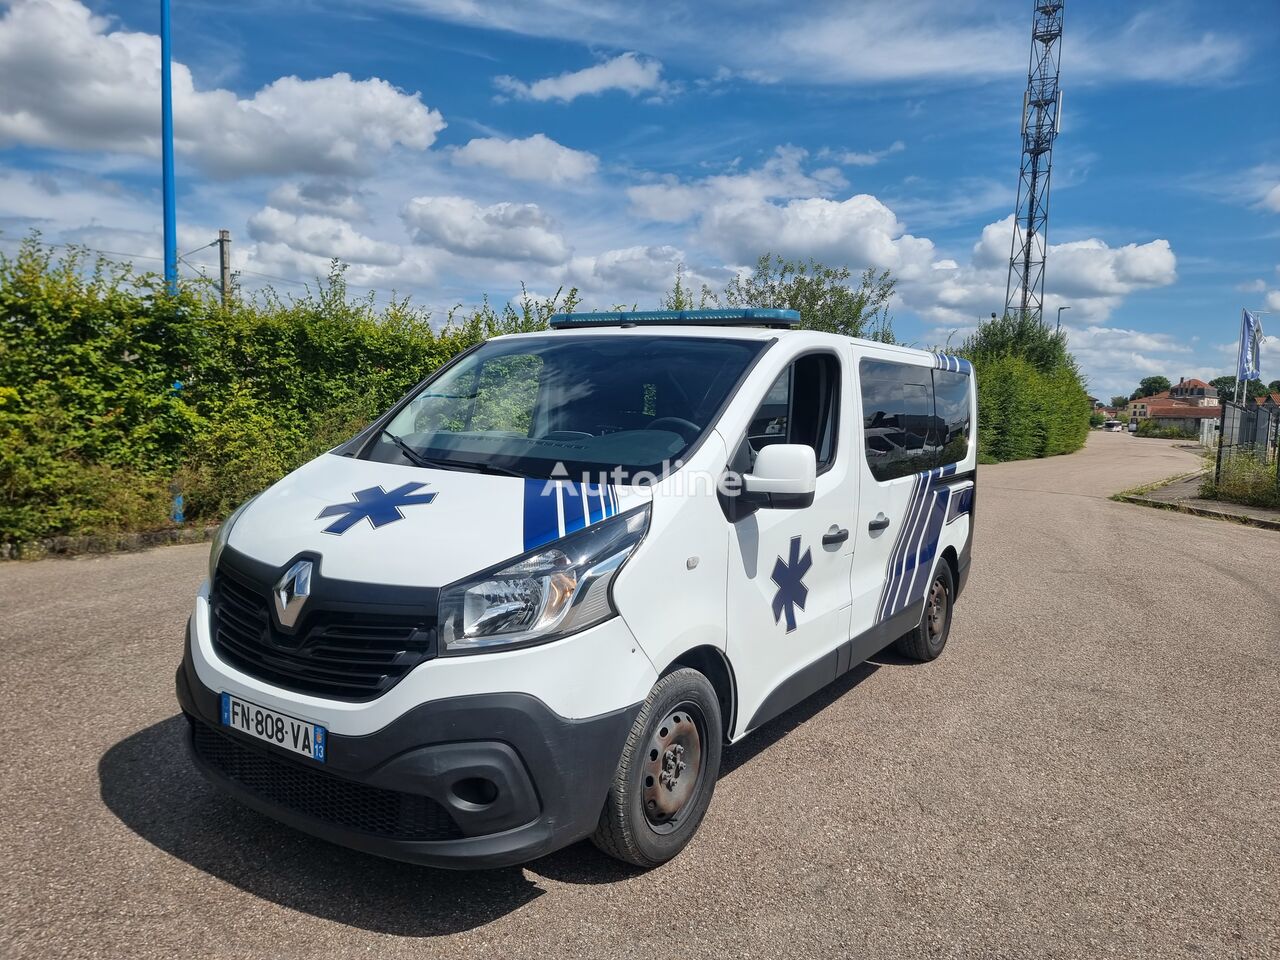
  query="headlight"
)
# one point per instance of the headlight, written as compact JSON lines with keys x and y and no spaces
{"x":558,"y":589}
{"x":222,"y":535}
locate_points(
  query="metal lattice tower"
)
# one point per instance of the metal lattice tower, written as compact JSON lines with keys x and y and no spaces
{"x":1041,"y":119}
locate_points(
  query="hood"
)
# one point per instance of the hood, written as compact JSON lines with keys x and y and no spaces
{"x":402,"y":525}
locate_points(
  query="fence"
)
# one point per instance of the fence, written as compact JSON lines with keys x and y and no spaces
{"x":1249,"y":430}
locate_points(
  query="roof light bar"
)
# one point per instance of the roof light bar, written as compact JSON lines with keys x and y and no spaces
{"x":745,"y":317}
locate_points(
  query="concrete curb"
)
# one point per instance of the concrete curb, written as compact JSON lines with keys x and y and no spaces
{"x":104,"y":543}
{"x":1195,"y":510}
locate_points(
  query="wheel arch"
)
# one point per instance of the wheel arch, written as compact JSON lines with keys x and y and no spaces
{"x":713,"y":664}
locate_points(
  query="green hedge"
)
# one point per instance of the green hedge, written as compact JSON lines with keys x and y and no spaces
{"x":112,"y":394}
{"x":1025,"y":413}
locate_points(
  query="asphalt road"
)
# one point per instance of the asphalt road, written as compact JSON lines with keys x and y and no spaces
{"x":1091,"y":769}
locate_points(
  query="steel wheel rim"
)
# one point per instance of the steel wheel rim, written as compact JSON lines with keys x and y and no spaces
{"x":672,"y":769}
{"x":936,"y":610}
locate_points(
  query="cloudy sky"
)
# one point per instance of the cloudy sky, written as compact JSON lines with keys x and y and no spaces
{"x":450,"y":148}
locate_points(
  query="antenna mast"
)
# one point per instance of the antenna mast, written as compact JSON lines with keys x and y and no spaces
{"x":1041,"y":119}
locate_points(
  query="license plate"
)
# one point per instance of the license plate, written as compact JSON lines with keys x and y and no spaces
{"x":294,"y":735}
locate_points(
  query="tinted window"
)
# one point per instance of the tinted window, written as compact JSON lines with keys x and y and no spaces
{"x":913,"y":418}
{"x":951,"y":403}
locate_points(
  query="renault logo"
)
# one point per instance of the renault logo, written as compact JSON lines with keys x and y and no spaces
{"x":292,"y":592}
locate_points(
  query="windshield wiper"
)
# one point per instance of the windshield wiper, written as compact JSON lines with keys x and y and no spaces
{"x":410,"y":454}
{"x":476,"y":466}
{"x":421,"y":460}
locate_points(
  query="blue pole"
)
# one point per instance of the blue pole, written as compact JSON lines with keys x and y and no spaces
{"x":166,"y":135}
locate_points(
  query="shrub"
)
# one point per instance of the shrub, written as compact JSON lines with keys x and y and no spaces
{"x":1244,"y":479}
{"x":1149,"y":428}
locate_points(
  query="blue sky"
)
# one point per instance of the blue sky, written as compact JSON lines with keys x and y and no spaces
{"x":451,"y":148}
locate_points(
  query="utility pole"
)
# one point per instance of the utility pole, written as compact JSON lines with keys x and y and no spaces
{"x":166,"y":137}
{"x":224,"y":264}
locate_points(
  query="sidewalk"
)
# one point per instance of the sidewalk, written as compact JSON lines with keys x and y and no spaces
{"x":1183,"y":495}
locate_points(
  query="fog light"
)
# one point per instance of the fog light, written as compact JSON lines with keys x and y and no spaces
{"x":476,"y":791}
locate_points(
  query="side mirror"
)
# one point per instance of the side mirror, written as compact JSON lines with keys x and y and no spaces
{"x":785,"y":477}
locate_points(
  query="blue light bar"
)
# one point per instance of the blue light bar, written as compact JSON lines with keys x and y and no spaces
{"x":743,"y":317}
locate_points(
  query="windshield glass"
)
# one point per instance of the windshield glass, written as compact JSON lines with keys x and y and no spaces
{"x":543,"y":406}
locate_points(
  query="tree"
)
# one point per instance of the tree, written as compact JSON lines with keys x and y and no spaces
{"x":1021,"y":336}
{"x":1273,"y":386}
{"x":1150,"y":386}
{"x":1119,"y":401}
{"x":823,"y":296}
{"x":1226,"y":387}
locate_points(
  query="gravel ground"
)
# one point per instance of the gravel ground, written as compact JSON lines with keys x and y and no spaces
{"x":1091,"y":769}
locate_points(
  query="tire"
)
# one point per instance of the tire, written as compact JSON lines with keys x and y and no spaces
{"x":928,"y":639}
{"x":654,"y":808}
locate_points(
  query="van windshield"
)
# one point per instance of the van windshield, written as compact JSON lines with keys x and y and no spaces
{"x":587,"y":405}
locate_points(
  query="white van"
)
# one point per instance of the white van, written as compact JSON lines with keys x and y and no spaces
{"x":532,"y":602}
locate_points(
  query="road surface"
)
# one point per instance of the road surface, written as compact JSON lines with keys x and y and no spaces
{"x":1090,"y":769}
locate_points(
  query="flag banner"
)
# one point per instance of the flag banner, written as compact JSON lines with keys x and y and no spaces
{"x":1250,"y":348}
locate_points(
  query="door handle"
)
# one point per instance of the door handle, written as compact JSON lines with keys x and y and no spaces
{"x":835,"y":535}
{"x":881,"y":522}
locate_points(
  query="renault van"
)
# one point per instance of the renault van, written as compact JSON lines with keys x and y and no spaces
{"x":533,"y":601}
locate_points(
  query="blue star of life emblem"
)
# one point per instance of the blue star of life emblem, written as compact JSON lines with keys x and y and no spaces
{"x":376,"y":505}
{"x":789,"y":576}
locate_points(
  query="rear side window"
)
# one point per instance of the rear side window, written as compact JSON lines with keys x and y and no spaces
{"x":951,"y":403}
{"x":913,"y":418}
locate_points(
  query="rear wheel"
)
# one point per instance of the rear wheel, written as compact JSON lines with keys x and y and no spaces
{"x":667,"y":772}
{"x":926,"y":641}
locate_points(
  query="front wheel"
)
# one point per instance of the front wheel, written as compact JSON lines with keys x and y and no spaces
{"x":666,"y":774}
{"x":926,"y":641}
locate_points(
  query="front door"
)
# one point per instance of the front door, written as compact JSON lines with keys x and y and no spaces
{"x":788,"y":590}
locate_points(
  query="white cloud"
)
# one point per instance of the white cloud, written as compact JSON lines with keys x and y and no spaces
{"x":326,"y":237}
{"x":1252,"y":286}
{"x":782,"y":175}
{"x":534,"y":158}
{"x":869,"y":158}
{"x":72,"y":82}
{"x":627,"y":72}
{"x":1090,"y":268}
{"x":895,"y":40}
{"x":1273,"y":300}
{"x":505,"y":231}
{"x":642,"y":273}
{"x":1271,"y":199}
{"x":328,"y":197}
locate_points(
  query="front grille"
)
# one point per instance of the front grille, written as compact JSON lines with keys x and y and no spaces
{"x":351,"y":654}
{"x":344,"y":803}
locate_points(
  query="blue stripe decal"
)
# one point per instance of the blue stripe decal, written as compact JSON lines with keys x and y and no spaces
{"x":541,"y":522}
{"x":581,"y":504}
{"x":571,"y":496}
{"x":917,"y":544}
{"x":961,"y":504}
{"x":944,"y":361}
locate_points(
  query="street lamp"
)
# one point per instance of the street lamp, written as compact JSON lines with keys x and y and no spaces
{"x":1059,"y":326}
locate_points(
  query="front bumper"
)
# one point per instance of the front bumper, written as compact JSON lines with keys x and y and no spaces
{"x":485,"y":780}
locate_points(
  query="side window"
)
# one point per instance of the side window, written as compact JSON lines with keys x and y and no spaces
{"x":801,"y":407}
{"x":951,"y":403}
{"x":898,"y":423}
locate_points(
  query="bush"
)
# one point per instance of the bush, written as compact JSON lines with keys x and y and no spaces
{"x":1031,"y":399}
{"x":1023,"y":413}
{"x":1244,"y":479}
{"x":1149,"y":428}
